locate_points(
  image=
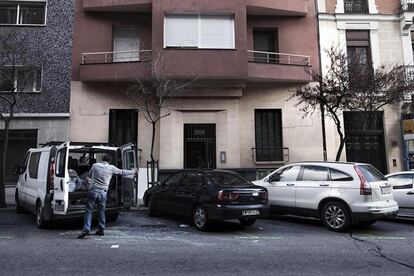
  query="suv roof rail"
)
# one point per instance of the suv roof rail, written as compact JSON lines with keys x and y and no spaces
{"x":86,"y":144}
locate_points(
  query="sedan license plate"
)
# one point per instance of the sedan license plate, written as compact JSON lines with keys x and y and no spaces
{"x":386,"y":190}
{"x":250,"y":212}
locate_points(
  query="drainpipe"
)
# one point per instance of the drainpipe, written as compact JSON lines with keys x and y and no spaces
{"x":325,"y":153}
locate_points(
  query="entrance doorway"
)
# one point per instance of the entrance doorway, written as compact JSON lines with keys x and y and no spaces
{"x":365,"y":141}
{"x":123,"y":126}
{"x":265,"y":43}
{"x":199,"y":146}
{"x":20,"y":140}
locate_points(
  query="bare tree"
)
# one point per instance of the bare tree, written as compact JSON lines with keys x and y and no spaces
{"x":351,"y":85}
{"x":19,"y":66}
{"x":152,"y":97}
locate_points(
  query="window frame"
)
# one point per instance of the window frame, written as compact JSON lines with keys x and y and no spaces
{"x":18,"y":3}
{"x":349,"y":179}
{"x":199,"y":33}
{"x":16,"y":79}
{"x":278,"y":114}
{"x":58,"y":173}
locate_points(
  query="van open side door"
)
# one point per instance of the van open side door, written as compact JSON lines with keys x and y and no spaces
{"x":61,"y":180}
{"x":129,"y":185}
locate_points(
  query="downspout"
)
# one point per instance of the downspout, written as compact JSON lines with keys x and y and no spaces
{"x":325,"y":153}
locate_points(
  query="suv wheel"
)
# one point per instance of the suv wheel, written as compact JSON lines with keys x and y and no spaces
{"x":247,"y":221}
{"x":40,"y":222}
{"x":200,"y":218}
{"x":335,"y":216}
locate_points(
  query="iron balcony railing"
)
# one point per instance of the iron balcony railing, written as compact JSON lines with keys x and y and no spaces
{"x":409,"y":73}
{"x":407,"y":5}
{"x":270,"y":155}
{"x":118,"y":56}
{"x":356,"y":6}
{"x":278,"y":58}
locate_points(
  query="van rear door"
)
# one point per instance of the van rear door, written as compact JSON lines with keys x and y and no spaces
{"x":129,"y":184}
{"x":61,"y":180}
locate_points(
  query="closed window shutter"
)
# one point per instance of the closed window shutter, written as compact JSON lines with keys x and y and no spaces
{"x":217,"y":31}
{"x":268,"y":126}
{"x":126,"y":44}
{"x":181,"y":30}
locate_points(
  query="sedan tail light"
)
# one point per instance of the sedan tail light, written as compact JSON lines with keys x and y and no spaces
{"x":364,"y":187}
{"x":228,"y":196}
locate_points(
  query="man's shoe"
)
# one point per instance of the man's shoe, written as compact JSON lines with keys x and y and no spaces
{"x":83,"y":234}
{"x":100,"y":233}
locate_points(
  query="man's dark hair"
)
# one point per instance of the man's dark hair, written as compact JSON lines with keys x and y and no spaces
{"x":107,"y":158}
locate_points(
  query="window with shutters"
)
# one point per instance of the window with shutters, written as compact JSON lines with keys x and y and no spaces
{"x":268,"y":128}
{"x":358,"y":48}
{"x":199,"y":31}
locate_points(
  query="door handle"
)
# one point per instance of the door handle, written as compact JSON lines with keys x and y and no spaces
{"x":324,"y":185}
{"x":410,"y":193}
{"x":193,"y":194}
{"x":290,"y":185}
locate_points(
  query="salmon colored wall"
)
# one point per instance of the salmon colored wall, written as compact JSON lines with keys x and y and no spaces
{"x":388,"y":6}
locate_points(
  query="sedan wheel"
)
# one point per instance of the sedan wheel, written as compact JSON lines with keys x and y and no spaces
{"x":335,"y":216}
{"x":200,"y":218}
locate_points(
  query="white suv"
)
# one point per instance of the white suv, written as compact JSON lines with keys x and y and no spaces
{"x":337,"y":193}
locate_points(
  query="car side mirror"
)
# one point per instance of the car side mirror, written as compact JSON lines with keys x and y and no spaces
{"x":274,"y":178}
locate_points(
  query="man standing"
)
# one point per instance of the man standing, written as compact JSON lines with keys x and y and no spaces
{"x":100,"y":174}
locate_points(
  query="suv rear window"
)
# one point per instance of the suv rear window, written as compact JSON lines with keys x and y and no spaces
{"x":370,"y":173}
{"x":34,"y":164}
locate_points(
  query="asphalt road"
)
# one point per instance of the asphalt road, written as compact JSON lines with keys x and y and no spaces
{"x":139,"y":245}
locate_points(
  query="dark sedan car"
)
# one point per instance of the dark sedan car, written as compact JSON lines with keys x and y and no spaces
{"x":207,"y":196}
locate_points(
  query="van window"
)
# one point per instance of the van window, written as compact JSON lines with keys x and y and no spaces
{"x":129,"y":162}
{"x":26,"y":160}
{"x":60,"y":162}
{"x":34,"y":164}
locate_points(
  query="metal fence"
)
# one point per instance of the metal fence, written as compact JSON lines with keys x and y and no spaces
{"x":278,"y":58}
{"x":118,"y":56}
{"x":356,"y":6}
{"x":270,"y":154}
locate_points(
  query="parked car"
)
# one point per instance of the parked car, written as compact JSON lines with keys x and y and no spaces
{"x":208,"y":195}
{"x":53,"y":180}
{"x":403,"y":190}
{"x":337,"y":193}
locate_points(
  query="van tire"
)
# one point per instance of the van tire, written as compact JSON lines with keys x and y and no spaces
{"x":40,"y":222}
{"x":19,"y":208}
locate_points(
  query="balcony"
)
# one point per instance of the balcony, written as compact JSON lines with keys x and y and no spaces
{"x":270,"y":155}
{"x":269,"y":66}
{"x":117,"y":5}
{"x":121,"y":66}
{"x":356,"y":6}
{"x":282,"y":8}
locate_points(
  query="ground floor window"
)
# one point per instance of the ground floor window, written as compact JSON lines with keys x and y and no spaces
{"x":268,"y":135}
{"x":123,"y":126}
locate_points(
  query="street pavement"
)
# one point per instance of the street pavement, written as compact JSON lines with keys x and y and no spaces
{"x":139,"y":245}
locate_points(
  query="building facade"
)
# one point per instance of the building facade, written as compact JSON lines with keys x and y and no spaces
{"x":247,"y":57}
{"x":378,"y":31}
{"x":42,"y":112}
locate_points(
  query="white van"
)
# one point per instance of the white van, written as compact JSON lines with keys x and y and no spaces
{"x":53,"y":180}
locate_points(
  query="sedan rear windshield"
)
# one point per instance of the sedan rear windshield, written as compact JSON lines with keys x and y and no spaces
{"x":370,"y":173}
{"x":226,"y":179}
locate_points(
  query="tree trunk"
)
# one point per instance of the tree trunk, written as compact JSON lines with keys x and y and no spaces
{"x":341,"y":139}
{"x":3,"y":164}
{"x":154,"y":128}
